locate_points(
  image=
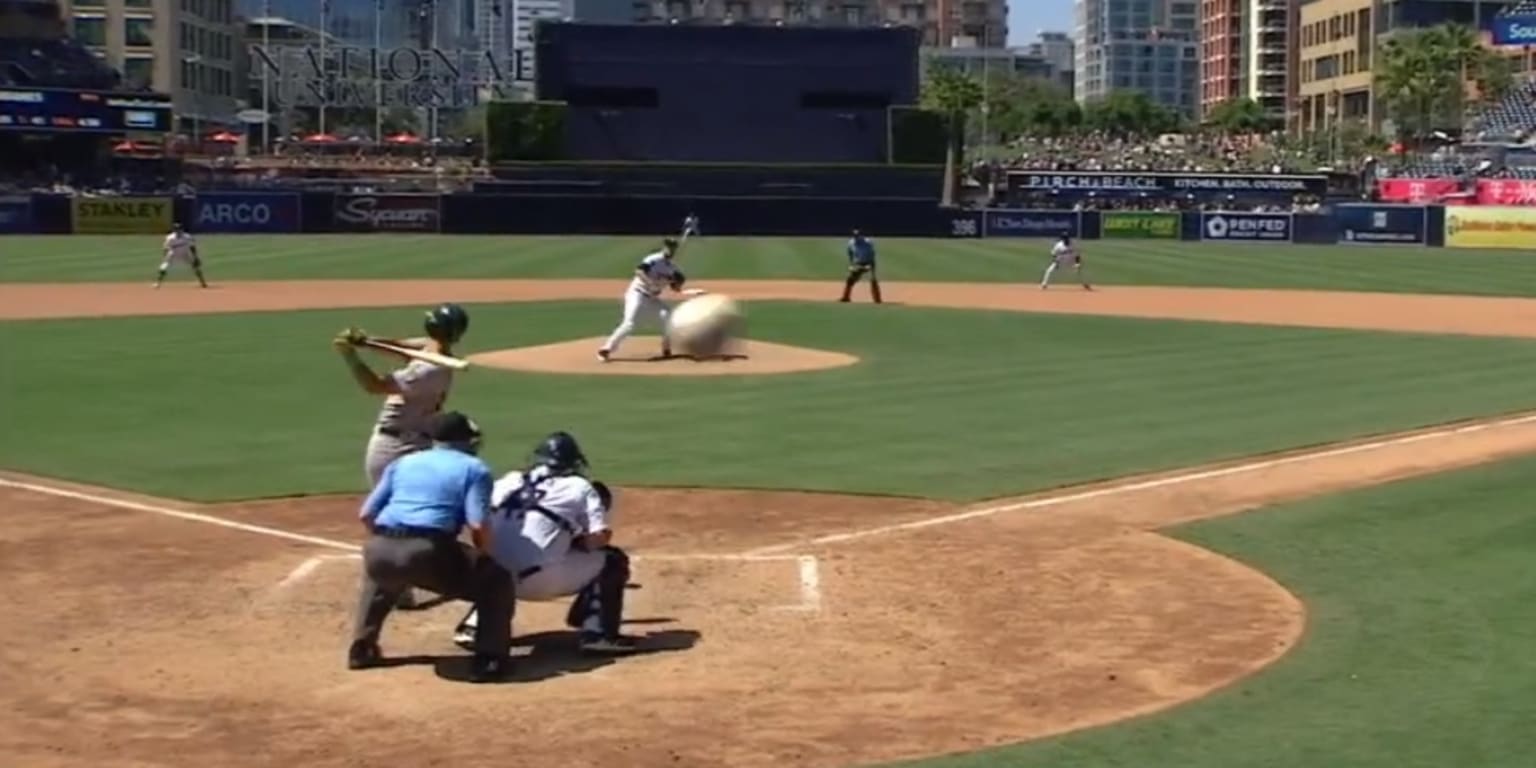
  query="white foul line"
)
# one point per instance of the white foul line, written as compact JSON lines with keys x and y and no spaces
{"x":181,"y":514}
{"x":1144,"y":485}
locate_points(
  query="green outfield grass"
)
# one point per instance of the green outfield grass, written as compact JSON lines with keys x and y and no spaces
{"x":1418,"y":650}
{"x":233,"y":257}
{"x":947,"y":403}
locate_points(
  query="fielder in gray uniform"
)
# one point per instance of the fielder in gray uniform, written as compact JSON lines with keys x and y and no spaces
{"x":412,"y":394}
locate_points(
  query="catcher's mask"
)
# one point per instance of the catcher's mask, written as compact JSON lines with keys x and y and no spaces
{"x":561,"y":454}
{"x":446,"y":323}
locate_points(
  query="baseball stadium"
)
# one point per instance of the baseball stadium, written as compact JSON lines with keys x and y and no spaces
{"x":1261,"y":497}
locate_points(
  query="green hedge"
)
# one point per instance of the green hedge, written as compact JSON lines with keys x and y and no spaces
{"x":526,"y":131}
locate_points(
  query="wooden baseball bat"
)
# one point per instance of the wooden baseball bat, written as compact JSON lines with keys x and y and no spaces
{"x":418,"y":354}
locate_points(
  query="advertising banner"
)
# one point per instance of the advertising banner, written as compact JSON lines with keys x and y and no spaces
{"x":15,"y":214}
{"x":1416,"y":191}
{"x":123,"y":215}
{"x":1139,"y":224}
{"x":1472,"y":226}
{"x":1263,"y":227}
{"x":246,"y":212}
{"x":1514,"y":30}
{"x":1391,"y":224}
{"x":388,"y":213}
{"x":1005,"y":223}
{"x":71,"y":111}
{"x":1506,"y":192}
{"x":1183,"y":183}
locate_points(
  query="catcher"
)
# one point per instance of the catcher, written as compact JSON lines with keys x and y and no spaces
{"x":550,"y":527}
{"x":861,"y":261}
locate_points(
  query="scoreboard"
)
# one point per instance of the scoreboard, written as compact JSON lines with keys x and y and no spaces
{"x":77,"y":111}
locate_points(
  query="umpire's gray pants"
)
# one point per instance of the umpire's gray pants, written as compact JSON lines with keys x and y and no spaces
{"x":443,"y":565}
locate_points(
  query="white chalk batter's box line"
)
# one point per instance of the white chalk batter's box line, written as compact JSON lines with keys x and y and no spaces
{"x":807,"y":567}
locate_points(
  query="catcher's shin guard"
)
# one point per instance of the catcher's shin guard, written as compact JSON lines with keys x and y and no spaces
{"x":599,"y":609}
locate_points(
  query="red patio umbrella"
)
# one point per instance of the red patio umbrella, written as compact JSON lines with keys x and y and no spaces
{"x":403,"y":138}
{"x":319,"y":138}
{"x":224,"y":137}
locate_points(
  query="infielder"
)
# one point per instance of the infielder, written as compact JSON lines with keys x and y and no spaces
{"x":861,"y":261}
{"x":550,"y":527}
{"x":653,"y":274}
{"x":180,"y":248}
{"x":412,"y":394}
{"x":1063,"y":253}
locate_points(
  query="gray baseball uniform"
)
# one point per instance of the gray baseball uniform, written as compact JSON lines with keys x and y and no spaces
{"x":402,"y":423}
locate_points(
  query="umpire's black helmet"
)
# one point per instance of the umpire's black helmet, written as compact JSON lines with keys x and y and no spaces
{"x":561,"y":454}
{"x":446,"y":323}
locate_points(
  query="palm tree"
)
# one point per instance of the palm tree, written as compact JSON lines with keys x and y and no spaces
{"x":954,"y":94}
{"x":1422,"y":77}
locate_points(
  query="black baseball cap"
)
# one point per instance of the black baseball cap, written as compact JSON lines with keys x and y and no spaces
{"x":453,"y":427}
{"x":670,"y":242}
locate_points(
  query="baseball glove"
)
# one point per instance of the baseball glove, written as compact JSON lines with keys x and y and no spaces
{"x":678,"y":280}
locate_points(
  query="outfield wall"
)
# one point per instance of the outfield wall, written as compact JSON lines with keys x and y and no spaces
{"x":505,"y":214}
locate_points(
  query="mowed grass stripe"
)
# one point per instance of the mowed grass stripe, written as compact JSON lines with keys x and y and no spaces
{"x":947,"y":403}
{"x":1417,"y":651}
{"x":1239,"y":265}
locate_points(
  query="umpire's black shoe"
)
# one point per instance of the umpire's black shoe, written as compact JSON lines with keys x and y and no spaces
{"x":363,"y":655}
{"x":489,"y":669}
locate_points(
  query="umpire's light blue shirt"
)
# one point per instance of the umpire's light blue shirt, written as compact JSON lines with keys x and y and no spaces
{"x":861,"y":251}
{"x":438,"y":488}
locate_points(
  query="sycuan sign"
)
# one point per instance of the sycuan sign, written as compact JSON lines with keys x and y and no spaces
{"x":351,"y":76}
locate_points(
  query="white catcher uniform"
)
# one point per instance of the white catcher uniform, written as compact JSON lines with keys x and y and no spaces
{"x":532,"y":538}
{"x":654,"y":273}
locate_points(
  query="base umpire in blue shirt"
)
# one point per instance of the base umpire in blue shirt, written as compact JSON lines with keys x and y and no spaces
{"x":414,"y":516}
{"x":861,"y":260}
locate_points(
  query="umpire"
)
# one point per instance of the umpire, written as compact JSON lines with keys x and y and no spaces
{"x":414,"y":516}
{"x":861,"y":260}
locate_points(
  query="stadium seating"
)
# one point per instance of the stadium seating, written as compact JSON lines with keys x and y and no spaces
{"x":59,"y":63}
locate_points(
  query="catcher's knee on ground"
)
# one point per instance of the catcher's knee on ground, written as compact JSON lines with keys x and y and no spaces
{"x":599,"y":608}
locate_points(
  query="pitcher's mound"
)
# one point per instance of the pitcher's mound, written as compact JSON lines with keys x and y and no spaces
{"x":641,"y":356}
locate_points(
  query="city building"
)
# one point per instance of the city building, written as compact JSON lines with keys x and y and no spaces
{"x":185,"y":48}
{"x":1336,"y":42}
{"x":945,"y":23}
{"x":1044,"y":59}
{"x":1244,"y":48}
{"x":1149,"y":46}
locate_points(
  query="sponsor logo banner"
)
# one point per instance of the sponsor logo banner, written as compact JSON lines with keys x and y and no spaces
{"x":1514,"y":30}
{"x":1268,"y":227}
{"x":1140,"y":224}
{"x":246,"y":212}
{"x":123,"y":215}
{"x":388,"y":213}
{"x":1506,"y":192}
{"x":1416,"y":191}
{"x":15,"y":214}
{"x":1381,"y":224}
{"x":1482,"y":227}
{"x":1002,"y":223}
{"x":1114,"y":182}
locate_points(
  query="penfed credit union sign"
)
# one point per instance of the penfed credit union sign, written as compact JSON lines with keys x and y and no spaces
{"x":351,"y":76}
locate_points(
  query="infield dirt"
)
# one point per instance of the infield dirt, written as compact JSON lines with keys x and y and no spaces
{"x":139,"y":640}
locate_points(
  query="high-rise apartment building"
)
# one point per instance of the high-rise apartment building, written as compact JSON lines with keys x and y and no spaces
{"x":185,"y":48}
{"x":1244,"y":47}
{"x":1148,"y":46}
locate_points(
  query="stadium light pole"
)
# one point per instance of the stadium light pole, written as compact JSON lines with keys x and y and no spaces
{"x":378,"y":82}
{"x":325,"y":68}
{"x":266,"y":78}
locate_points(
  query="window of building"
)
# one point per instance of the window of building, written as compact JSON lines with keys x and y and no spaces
{"x":138,"y":32}
{"x":139,"y":71}
{"x":90,"y":30}
{"x":89,"y":3}
{"x":139,"y":3}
